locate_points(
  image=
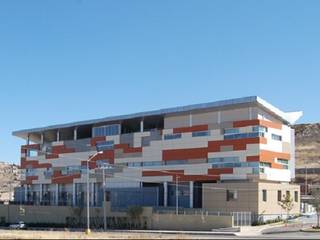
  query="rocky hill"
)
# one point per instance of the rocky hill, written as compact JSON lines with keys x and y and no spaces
{"x":9,"y":179}
{"x":307,"y":145}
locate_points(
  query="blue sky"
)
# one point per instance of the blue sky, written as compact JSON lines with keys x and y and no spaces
{"x":62,"y":61}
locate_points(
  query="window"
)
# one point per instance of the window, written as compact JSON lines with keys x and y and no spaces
{"x":265,"y":164}
{"x":296,"y":196}
{"x":102,"y":163}
{"x":279,"y":195}
{"x":244,"y":135}
{"x":276,"y":137}
{"x":223,"y":159}
{"x":30,"y":172}
{"x":201,"y":134}
{"x":156,"y":163}
{"x":232,"y":195}
{"x":108,"y":130}
{"x":172,"y":136}
{"x":264,"y":195}
{"x":231,"y":131}
{"x":105,"y":145}
{"x":134,"y":164}
{"x":176,"y":162}
{"x":259,"y":129}
{"x":32,"y":153}
{"x":73,"y":170}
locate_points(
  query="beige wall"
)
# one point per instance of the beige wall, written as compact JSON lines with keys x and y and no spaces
{"x":190,"y":222}
{"x":271,"y":206}
{"x":249,"y":197}
{"x":58,"y":215}
{"x":214,"y":197}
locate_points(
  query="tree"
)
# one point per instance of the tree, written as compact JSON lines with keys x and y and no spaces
{"x":315,"y":192}
{"x":134,"y":213}
{"x":287,"y":204}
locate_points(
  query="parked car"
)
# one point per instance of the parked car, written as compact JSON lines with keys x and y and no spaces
{"x":19,"y":225}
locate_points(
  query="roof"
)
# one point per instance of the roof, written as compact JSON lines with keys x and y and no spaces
{"x":288,"y":117}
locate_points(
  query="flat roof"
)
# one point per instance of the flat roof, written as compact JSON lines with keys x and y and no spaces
{"x":288,"y":117}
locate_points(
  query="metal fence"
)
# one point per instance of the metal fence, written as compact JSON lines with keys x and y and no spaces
{"x":239,"y":218}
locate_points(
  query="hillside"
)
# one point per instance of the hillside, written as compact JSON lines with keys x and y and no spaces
{"x":9,"y":179}
{"x":307,"y":145}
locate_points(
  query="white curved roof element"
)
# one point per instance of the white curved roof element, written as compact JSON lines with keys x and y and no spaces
{"x":290,"y":117}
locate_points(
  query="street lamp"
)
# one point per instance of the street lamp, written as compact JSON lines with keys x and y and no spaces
{"x":88,"y":193}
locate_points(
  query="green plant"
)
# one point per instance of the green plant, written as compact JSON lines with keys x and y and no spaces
{"x":287,"y":204}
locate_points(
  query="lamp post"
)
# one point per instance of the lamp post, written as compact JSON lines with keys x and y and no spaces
{"x":177,"y":194}
{"x":88,"y":193}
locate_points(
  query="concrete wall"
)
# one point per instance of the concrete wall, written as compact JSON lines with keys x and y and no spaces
{"x":190,"y":222}
{"x":249,"y":197}
{"x":58,"y":215}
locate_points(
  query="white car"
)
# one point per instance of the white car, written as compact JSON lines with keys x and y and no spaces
{"x":19,"y":225}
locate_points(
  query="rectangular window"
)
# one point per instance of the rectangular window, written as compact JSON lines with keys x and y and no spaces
{"x":296,"y":196}
{"x":243,"y":135}
{"x":155,"y":163}
{"x":176,"y":162}
{"x":223,"y":160}
{"x":264,"y":195}
{"x":259,"y":129}
{"x":105,"y":145}
{"x":172,"y":136}
{"x":231,"y":131}
{"x":232,"y":195}
{"x":200,"y":134}
{"x":134,"y":164}
{"x":265,"y":164}
{"x":276,"y":137}
{"x":108,"y":130}
{"x":279,"y":195}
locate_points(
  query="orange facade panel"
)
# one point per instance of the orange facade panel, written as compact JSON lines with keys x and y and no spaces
{"x":238,"y":144}
{"x":191,"y":129}
{"x":256,"y":122}
{"x":184,"y":154}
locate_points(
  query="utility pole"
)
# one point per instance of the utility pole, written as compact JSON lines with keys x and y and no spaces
{"x":177,"y":195}
{"x":306,"y":181}
{"x":104,"y":199}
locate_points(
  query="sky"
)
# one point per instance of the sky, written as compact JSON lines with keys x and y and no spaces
{"x":64,"y":61}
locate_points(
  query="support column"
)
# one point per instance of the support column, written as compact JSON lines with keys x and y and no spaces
{"x":40,"y":192}
{"x":92,"y":194}
{"x":75,"y":134}
{"x":58,"y":136}
{"x":42,"y":138}
{"x":25,"y":193}
{"x":141,"y":125}
{"x":57,"y":194}
{"x":28,"y":140}
{"x":191,"y":194}
{"x":190,"y":120}
{"x":165,"y":194}
{"x":219,"y":117}
{"x":73,"y":194}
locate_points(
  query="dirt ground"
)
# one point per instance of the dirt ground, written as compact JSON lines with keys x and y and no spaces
{"x":29,"y":234}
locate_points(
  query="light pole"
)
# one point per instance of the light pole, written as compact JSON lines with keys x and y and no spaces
{"x":177,"y":194}
{"x":104,"y":199}
{"x":88,"y":193}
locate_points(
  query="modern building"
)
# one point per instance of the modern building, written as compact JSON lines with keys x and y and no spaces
{"x":232,"y":155}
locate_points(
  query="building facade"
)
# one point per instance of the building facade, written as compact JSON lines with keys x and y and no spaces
{"x":163,"y":158}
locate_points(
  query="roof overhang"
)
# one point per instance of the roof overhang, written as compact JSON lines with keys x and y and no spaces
{"x":287,"y":117}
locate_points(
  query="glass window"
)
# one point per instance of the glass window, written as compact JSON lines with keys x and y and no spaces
{"x":108,"y":130}
{"x":296,"y":196}
{"x":172,"y":136}
{"x":232,"y":195}
{"x":244,"y":135}
{"x":265,"y":164}
{"x":279,"y":195}
{"x":276,"y":137}
{"x":176,"y":162}
{"x":134,"y":164}
{"x":264,"y":195}
{"x":200,"y":134}
{"x":156,"y":163}
{"x":105,"y":145}
{"x":231,"y":131}
{"x":259,"y":129}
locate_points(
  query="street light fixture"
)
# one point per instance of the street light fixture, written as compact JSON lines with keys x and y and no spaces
{"x":88,"y":231}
